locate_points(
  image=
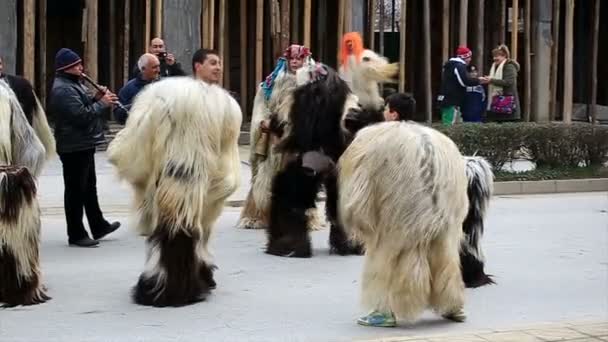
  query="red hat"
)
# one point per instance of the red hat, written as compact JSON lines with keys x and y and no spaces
{"x":463,"y":52}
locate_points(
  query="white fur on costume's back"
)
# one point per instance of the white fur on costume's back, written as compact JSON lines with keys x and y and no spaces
{"x":184,"y":126}
{"x":395,"y":160}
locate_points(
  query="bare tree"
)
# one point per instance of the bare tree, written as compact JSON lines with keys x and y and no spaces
{"x":392,"y":15}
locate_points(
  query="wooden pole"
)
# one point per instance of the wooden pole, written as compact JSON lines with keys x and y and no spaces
{"x":307,"y":11}
{"x":285,"y":10}
{"x":148,"y":25}
{"x":541,"y":90}
{"x":514,"y":29}
{"x":527,"y":61}
{"x":91,"y":43}
{"x":126,"y":42}
{"x":568,"y":65}
{"x":211,"y":25}
{"x":594,"y":50}
{"x":445,"y":35}
{"x":402,"y":45}
{"x":464,"y":15}
{"x":259,"y":40}
{"x":205,"y":24}
{"x":502,"y":27}
{"x":479,"y":35}
{"x":243,"y":55}
{"x":221,"y":40}
{"x":158,"y":18}
{"x":426,"y":15}
{"x":554,"y":58}
{"x":381,"y":14}
{"x":372,"y":24}
{"x":29,"y":40}
{"x":42,"y":49}
{"x":340,"y":24}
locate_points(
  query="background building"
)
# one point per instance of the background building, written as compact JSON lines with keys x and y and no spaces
{"x":557,"y":42}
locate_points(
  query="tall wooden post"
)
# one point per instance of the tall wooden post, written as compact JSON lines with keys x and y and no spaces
{"x":91,"y":43}
{"x":205,"y":24}
{"x":527,"y":62}
{"x":42,"y":49}
{"x":372,"y":23}
{"x":426,"y":17}
{"x":464,"y":16}
{"x":244,"y":55}
{"x":502,"y":27}
{"x":381,"y":14}
{"x":445,"y":35}
{"x":341,"y":9}
{"x":594,"y":48}
{"x":568,"y":64}
{"x":285,"y":10}
{"x":514,"y":28}
{"x":307,"y":22}
{"x":29,"y":40}
{"x":402,"y":45}
{"x":148,"y":24}
{"x":554,"y":58}
{"x":211,"y":25}
{"x":479,"y":49}
{"x":126,"y":68}
{"x":222,"y":40}
{"x":259,"y":40}
{"x":158,"y":18}
{"x":542,"y":53}
{"x":348,"y":15}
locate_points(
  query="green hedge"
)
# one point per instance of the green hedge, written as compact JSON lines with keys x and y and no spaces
{"x":547,"y":145}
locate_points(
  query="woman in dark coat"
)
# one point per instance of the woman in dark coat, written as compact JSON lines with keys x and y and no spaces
{"x":503,"y":81}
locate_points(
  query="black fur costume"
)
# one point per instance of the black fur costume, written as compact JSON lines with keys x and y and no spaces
{"x":315,"y":131}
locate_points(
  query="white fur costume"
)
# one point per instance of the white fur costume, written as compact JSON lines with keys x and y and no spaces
{"x":363,"y":77}
{"x":179,"y":151}
{"x":23,"y":152}
{"x":256,"y":210}
{"x":403,"y":193}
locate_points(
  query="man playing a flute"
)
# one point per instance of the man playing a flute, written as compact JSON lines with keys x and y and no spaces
{"x":78,"y":130}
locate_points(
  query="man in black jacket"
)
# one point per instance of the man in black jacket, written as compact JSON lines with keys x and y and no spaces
{"x":454,"y":82}
{"x":168,"y":65}
{"x":78,"y":130}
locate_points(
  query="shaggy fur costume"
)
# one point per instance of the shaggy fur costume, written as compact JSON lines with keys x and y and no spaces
{"x":23,"y":151}
{"x":315,"y":125}
{"x":480,"y":189}
{"x":264,"y":159}
{"x":179,"y":151}
{"x":404,"y":196}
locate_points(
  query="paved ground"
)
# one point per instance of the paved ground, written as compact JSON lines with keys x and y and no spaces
{"x":549,"y":255}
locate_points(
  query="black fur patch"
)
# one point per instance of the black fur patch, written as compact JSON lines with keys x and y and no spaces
{"x":17,"y":188}
{"x":181,"y":172}
{"x":316,"y":116}
{"x":472,"y":271}
{"x":14,"y":288}
{"x":187,"y":280}
{"x":359,"y":118}
{"x":294,"y":191}
{"x":25,"y":95}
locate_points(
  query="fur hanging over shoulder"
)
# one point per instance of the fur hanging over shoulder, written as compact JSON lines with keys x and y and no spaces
{"x":403,"y":194}
{"x":20,"y":276}
{"x":480,"y":188}
{"x":21,"y":142}
{"x":314,"y":131}
{"x":179,"y":151}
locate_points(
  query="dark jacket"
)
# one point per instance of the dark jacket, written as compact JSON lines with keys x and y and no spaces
{"x":25,"y":94}
{"x":78,"y":116}
{"x":126,"y":96}
{"x":454,"y":83}
{"x":474,"y":106}
{"x":165,"y":70}
{"x":509,"y":87}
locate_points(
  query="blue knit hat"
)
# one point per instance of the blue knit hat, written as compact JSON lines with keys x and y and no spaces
{"x":65,"y":59}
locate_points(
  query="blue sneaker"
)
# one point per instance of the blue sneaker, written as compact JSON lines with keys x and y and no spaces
{"x":378,"y":319}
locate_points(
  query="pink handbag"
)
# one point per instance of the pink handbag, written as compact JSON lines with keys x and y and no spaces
{"x":502,"y":104}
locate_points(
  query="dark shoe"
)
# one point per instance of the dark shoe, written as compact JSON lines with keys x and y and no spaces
{"x":84,"y":242}
{"x":107,"y":230}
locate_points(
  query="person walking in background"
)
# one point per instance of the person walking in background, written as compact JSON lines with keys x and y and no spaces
{"x":78,"y":130}
{"x":503,"y":98}
{"x":474,"y":106}
{"x":454,"y":82}
{"x":149,"y":67}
